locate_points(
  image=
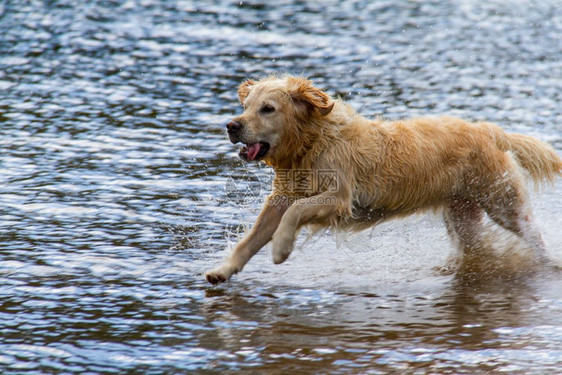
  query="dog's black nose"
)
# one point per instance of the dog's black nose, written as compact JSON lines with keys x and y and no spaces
{"x":233,"y":127}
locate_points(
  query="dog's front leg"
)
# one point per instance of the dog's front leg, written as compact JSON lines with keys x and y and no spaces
{"x":260,"y":234}
{"x":321,"y":209}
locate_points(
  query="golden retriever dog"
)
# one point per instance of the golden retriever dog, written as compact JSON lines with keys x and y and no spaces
{"x":335,"y":168}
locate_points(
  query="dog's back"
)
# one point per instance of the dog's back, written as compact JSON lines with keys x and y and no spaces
{"x":418,"y":163}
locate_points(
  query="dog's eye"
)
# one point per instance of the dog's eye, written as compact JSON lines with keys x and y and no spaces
{"x":267,"y":109}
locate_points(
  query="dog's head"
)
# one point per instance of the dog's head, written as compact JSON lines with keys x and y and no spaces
{"x":279,"y":116}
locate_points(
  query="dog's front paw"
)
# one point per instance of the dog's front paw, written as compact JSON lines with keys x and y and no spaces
{"x":220,"y":274}
{"x":282,"y":248}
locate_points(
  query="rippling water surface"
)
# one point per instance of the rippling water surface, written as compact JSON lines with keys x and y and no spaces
{"x":118,"y":189}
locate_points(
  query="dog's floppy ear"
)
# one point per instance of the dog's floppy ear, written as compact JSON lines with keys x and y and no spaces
{"x":302,"y":90}
{"x":244,"y":89}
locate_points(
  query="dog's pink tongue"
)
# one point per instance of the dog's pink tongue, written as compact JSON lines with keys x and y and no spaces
{"x":253,"y":150}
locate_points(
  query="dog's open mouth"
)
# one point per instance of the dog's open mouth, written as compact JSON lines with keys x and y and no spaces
{"x":254,"y":151}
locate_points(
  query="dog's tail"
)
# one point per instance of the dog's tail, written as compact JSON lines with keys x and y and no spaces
{"x":538,"y":158}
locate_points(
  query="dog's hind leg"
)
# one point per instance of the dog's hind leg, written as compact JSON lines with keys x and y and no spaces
{"x":463,"y":219}
{"x":507,"y":206}
{"x":517,"y":218}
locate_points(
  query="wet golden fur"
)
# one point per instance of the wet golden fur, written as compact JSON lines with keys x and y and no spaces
{"x":384,"y":169}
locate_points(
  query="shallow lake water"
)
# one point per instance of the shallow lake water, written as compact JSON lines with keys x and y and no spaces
{"x":119,"y":189}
